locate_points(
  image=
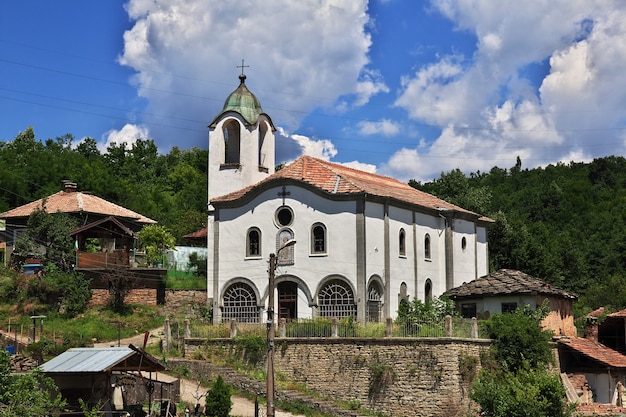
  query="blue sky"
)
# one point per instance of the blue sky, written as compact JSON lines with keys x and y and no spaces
{"x":404,"y":88}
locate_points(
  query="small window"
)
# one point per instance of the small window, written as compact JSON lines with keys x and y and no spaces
{"x":318,"y":239}
{"x":428,"y":291}
{"x":463,"y":243}
{"x":253,"y":244}
{"x":468,"y":310}
{"x":508,"y":307}
{"x":402,"y":243}
{"x":427,"y":246}
{"x":284,"y":216}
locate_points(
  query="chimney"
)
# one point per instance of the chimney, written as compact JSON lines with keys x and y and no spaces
{"x":69,"y":186}
{"x":591,"y":328}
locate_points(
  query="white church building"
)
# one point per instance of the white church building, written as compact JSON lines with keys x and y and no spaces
{"x":363,"y":241}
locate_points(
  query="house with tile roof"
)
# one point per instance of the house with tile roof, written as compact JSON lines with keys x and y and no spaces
{"x":98,"y":218}
{"x":362,"y":241}
{"x":505,"y":290}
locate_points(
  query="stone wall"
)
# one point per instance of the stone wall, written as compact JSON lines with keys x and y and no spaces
{"x":395,"y":376}
{"x":149,"y":296}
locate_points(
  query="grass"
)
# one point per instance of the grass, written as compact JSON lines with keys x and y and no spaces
{"x":95,"y":324}
{"x":181,"y":280}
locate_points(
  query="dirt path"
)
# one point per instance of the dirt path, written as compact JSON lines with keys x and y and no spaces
{"x":190,"y":391}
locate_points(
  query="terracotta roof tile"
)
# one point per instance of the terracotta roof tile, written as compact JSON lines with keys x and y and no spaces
{"x":341,"y":180}
{"x":198,"y":234}
{"x":506,"y":281}
{"x":618,"y":314}
{"x":595,"y":351}
{"x":76,"y":202}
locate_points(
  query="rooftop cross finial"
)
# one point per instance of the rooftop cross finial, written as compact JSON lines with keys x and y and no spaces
{"x":242,"y":66}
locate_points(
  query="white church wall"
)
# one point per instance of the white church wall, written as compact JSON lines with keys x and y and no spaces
{"x":482,"y":260}
{"x":374,"y":239}
{"x":464,"y":255}
{"x":432,"y":268}
{"x":401,"y":265}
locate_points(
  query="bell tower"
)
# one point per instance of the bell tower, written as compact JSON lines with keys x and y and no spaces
{"x":241,"y":143}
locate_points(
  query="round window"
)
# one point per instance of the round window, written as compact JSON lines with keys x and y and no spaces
{"x":284,"y":216}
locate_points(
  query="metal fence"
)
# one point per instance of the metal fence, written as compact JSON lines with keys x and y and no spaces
{"x":447,"y":327}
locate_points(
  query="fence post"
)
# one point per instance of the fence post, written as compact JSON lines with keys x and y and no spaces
{"x":167,"y":335}
{"x":233,"y":328}
{"x":335,"y":327}
{"x":389,"y":328}
{"x":187,"y":333}
{"x":448,"y":326}
{"x":282,"y":327}
{"x":474,"y":334}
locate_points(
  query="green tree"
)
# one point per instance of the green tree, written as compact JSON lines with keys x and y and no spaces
{"x":218,"y":403}
{"x":48,"y":235}
{"x":155,"y":240}
{"x":26,"y":395}
{"x":518,"y":340}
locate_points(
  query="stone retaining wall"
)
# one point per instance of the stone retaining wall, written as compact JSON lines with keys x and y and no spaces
{"x":149,"y":296}
{"x":395,"y":376}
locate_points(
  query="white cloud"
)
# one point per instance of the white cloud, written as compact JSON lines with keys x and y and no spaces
{"x":301,"y":55}
{"x":127,"y":134}
{"x":384,"y":127}
{"x":360,"y":166}
{"x":486,"y":105}
{"x":287,"y":152}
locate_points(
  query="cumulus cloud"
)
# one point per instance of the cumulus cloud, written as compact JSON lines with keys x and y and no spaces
{"x":299,"y":55}
{"x":384,"y":127}
{"x":485,"y":105}
{"x":127,"y":134}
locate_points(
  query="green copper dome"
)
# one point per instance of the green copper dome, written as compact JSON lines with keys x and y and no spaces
{"x":243,"y":102}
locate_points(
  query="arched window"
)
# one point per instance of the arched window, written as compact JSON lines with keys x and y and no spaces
{"x":374,"y":301}
{"x":463,"y":243}
{"x":428,"y":291}
{"x":285,"y":256}
{"x":402,"y":242}
{"x":336,"y":300}
{"x":232,"y":142}
{"x":240,"y":304}
{"x":318,"y":239}
{"x":253,"y":243}
{"x":427,"y":246}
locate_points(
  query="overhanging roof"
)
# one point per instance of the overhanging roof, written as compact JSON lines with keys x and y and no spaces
{"x":98,"y":360}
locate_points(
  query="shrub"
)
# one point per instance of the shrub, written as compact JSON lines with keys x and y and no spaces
{"x":218,"y":403}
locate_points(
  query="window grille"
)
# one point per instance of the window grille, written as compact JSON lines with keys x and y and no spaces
{"x":336,"y":300}
{"x":254,"y":243}
{"x":240,"y":304}
{"x":319,"y":239}
{"x":374,"y":301}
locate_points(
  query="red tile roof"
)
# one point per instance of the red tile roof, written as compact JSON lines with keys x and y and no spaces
{"x":618,"y":314}
{"x":595,"y":351}
{"x":198,"y":234}
{"x":338,"y":179}
{"x":506,"y":281}
{"x":76,"y":202}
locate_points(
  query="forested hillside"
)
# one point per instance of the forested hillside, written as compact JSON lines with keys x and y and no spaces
{"x":171,"y":188}
{"x":562,"y":223}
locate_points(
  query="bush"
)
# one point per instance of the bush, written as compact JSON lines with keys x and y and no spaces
{"x":218,"y":403}
{"x":535,"y":393}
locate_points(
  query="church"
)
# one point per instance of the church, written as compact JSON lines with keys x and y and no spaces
{"x":345,"y":243}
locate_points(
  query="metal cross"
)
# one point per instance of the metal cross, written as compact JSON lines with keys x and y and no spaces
{"x":284,"y":194}
{"x":242,"y":66}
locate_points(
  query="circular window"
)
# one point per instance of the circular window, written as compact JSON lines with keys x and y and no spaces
{"x":463,"y":243}
{"x":284,"y":216}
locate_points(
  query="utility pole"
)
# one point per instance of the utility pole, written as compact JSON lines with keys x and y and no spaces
{"x":271,"y":411}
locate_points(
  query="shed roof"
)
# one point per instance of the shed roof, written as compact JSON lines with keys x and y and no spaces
{"x":71,"y":201}
{"x":97,"y":360}
{"x":506,"y":282}
{"x":595,"y":351}
{"x":336,"y":179}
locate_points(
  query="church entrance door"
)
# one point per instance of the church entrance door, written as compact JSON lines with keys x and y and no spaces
{"x":288,"y":300}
